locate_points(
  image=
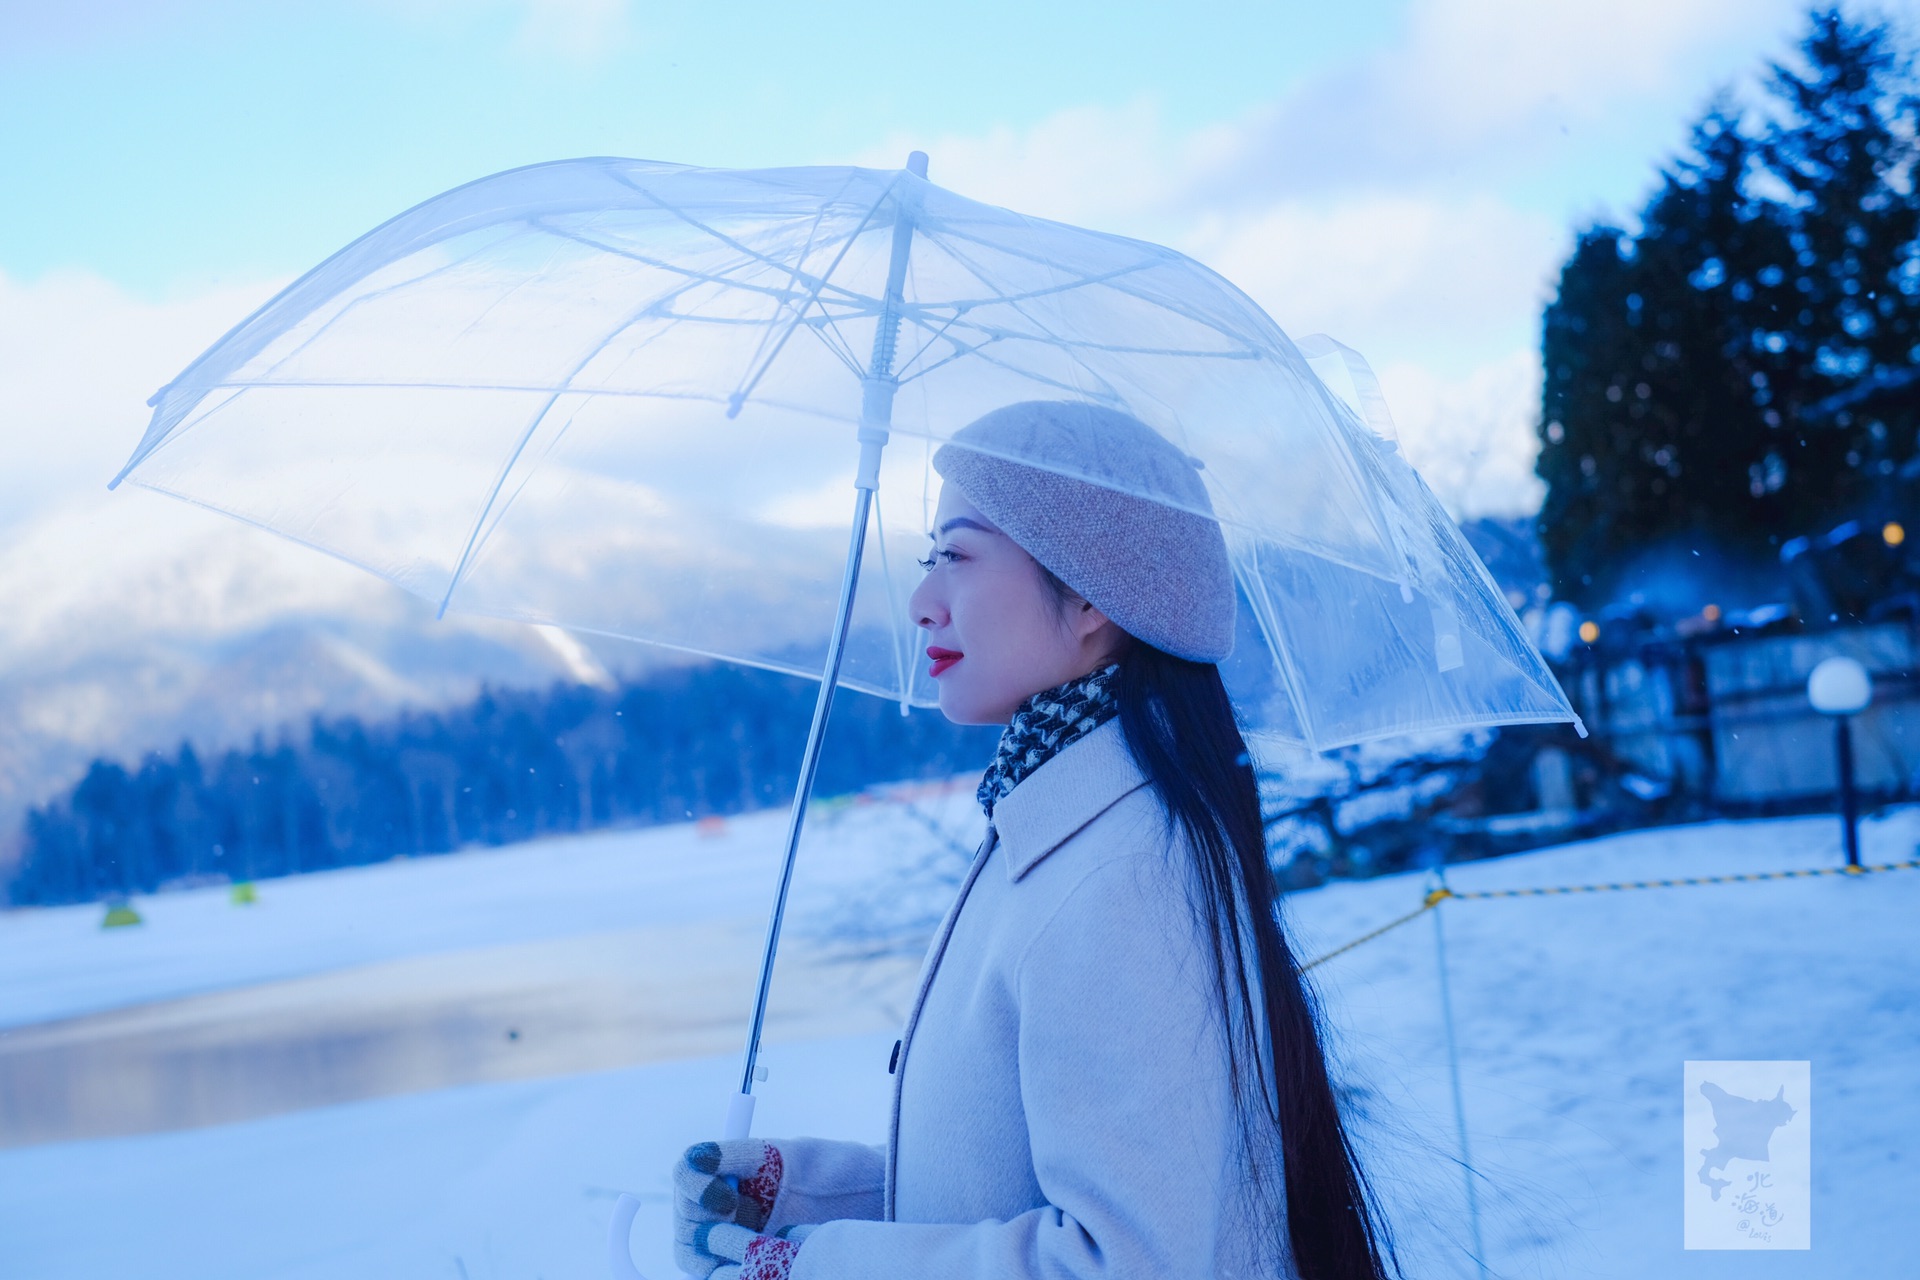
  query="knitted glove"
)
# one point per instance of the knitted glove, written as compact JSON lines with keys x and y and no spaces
{"x":723,"y":1194}
{"x":751,"y":1256}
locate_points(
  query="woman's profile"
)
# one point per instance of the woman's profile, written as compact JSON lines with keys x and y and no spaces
{"x":1113,"y":1066}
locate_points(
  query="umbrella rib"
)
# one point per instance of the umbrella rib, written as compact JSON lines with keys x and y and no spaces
{"x":1109,"y":348}
{"x":526,"y":478}
{"x":1161,"y":303}
{"x":1112,"y":393}
{"x":277,"y":532}
{"x":850,"y":358}
{"x":184,"y":425}
{"x":525,"y":280}
{"x":699,"y":277}
{"x":960,"y":351}
{"x":844,"y":681}
{"x":533,"y":425}
{"x":844,"y":351}
{"x":838,"y":346}
{"x":1268,"y":620}
{"x":752,"y":379}
{"x":1105,"y":277}
{"x":355,"y":303}
{"x":980,"y":275}
{"x":918,"y":315}
{"x":528,"y":388}
{"x":739,"y":247}
{"x":789,"y":406}
{"x":935,"y":336}
{"x":680,"y":213}
{"x":726,"y":281}
{"x":1112,"y":396}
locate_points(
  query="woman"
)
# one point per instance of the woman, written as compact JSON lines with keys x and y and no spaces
{"x":1113,"y":1066}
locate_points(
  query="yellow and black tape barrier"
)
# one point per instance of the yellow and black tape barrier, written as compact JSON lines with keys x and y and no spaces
{"x":1437,"y":896}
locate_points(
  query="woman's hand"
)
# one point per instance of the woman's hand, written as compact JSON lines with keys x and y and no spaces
{"x":739,"y":1254}
{"x":723,"y":1194}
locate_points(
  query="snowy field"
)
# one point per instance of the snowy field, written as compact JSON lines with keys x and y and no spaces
{"x":1573,"y":1014}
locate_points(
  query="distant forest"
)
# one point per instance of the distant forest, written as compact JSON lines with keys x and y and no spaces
{"x":508,"y":766}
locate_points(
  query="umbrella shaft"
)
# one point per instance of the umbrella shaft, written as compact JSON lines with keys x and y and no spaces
{"x":809,"y":765}
{"x":876,"y":416}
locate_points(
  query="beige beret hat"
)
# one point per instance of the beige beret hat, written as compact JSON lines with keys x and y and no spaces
{"x":1160,"y":572}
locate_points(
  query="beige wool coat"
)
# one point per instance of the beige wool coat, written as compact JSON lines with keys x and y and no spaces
{"x":1061,"y":1099}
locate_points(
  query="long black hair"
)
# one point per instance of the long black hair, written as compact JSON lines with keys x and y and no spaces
{"x":1180,"y":727}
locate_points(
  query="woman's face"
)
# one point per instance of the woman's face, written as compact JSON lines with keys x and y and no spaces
{"x":994,"y":631}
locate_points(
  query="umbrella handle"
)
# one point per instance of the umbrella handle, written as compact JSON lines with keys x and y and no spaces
{"x":619,"y":1239}
{"x":620,"y":1230}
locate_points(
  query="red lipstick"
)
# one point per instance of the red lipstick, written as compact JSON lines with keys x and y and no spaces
{"x":942,"y":658}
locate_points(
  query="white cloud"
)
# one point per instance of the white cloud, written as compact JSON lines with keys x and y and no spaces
{"x":1471,"y":437}
{"x":1471,"y":67}
{"x":83,"y":568}
{"x":1419,"y":276}
{"x":1442,"y":296}
{"x":1394,"y":200}
{"x":78,"y":359}
{"x":1484,"y":91}
{"x":1115,"y":168}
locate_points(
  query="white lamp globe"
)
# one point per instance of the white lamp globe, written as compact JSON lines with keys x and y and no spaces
{"x":1839,"y":687}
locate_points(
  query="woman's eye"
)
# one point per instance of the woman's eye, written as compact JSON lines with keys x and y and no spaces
{"x":934,"y":558}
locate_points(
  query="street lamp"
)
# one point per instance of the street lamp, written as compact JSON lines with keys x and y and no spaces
{"x":1841,"y":687}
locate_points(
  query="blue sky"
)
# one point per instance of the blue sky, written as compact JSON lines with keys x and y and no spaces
{"x":170,"y":145}
{"x":1405,"y":175}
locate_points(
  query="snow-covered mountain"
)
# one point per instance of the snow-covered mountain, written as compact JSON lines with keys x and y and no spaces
{"x":129,"y":623}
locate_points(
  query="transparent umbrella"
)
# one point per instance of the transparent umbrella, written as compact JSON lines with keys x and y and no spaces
{"x":633,"y":399}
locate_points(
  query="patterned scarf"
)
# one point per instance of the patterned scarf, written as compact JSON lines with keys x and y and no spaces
{"x":1044,"y":723}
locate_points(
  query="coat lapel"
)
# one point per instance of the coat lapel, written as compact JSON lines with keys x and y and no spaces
{"x":1079,"y":783}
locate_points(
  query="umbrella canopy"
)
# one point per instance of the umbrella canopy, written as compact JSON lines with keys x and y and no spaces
{"x":628,"y":398}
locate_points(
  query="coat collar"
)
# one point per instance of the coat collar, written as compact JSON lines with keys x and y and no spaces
{"x":1076,"y":785}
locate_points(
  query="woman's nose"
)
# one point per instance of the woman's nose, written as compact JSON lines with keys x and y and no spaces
{"x":924,"y":606}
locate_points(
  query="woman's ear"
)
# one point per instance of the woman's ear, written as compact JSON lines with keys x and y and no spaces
{"x":1087,"y":619}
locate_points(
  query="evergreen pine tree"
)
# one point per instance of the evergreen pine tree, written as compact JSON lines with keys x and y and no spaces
{"x":1682,"y":362}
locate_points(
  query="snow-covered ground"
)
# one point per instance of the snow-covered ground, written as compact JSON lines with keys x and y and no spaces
{"x":1574,"y":1015}
{"x":58,"y":963}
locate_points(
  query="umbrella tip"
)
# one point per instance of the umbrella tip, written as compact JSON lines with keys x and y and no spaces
{"x":734,"y":402}
{"x":917,"y":163}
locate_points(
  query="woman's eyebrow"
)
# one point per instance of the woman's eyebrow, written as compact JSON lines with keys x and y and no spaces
{"x":961,"y":522}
